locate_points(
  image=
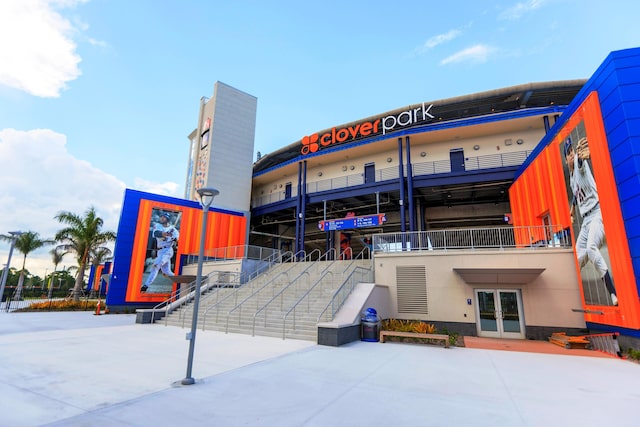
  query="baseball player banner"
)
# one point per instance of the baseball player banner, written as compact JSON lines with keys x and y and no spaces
{"x":590,"y":241}
{"x":160,"y":261}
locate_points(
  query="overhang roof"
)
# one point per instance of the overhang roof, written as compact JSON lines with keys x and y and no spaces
{"x":512,"y":98}
{"x":498,"y":276}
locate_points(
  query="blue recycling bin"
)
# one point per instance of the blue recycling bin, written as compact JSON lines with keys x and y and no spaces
{"x":370,"y":325}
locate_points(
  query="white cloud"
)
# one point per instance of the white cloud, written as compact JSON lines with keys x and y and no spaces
{"x":40,"y":178}
{"x":38,"y":55}
{"x":439,"y":39}
{"x":520,"y":9}
{"x":164,"y":188}
{"x":478,"y":53}
{"x":95,"y":42}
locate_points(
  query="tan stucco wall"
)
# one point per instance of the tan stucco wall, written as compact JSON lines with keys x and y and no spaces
{"x":548,"y":300}
{"x":234,"y":266}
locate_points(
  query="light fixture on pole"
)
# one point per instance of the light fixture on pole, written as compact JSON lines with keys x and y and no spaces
{"x":5,"y":272}
{"x":206,"y":198}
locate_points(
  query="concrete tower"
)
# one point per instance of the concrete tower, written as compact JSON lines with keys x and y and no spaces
{"x":221,"y":154}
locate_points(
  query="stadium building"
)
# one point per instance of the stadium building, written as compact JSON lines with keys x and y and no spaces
{"x":465,"y":208}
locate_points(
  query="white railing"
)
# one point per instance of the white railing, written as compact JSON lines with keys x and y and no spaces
{"x":489,"y":161}
{"x":530,"y":237}
{"x":237,"y":252}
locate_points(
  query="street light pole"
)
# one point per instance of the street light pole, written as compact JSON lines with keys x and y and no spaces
{"x":5,"y":273}
{"x":206,"y":198}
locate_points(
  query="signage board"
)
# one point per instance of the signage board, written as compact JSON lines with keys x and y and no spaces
{"x":352,"y":222}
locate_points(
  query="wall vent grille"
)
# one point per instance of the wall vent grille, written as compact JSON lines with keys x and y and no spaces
{"x":411,"y":288}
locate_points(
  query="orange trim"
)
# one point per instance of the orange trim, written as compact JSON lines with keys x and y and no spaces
{"x":541,"y":188}
{"x":223,"y":230}
{"x":627,"y":314}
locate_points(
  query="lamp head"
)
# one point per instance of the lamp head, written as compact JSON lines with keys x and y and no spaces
{"x":16,"y":233}
{"x":207,"y":195}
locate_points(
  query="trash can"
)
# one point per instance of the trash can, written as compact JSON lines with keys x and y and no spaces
{"x":370,"y":325}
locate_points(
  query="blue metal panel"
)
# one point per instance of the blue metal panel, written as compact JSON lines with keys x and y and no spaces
{"x":633,"y":218}
{"x":635,"y":245}
{"x":596,"y":327}
{"x":609,"y":89}
{"x":631,"y":92}
{"x":274,"y":207}
{"x":626,"y":171}
{"x":621,"y":125}
{"x":468,"y":177}
{"x":628,"y":75}
{"x":412,"y":220}
{"x":403,"y":208}
{"x":123,"y":249}
{"x":92,"y":274}
{"x":361,"y":190}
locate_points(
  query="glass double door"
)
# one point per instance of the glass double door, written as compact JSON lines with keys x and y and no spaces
{"x":499,"y":313}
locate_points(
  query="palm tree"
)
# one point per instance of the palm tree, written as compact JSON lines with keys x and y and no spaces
{"x":82,"y":236}
{"x":98,"y":256}
{"x":57,"y":255}
{"x":26,"y":243}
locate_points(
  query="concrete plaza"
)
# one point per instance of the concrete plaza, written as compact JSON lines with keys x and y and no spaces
{"x":78,"y":369}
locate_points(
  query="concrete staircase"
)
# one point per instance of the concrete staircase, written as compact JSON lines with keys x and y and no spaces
{"x":284,"y":302}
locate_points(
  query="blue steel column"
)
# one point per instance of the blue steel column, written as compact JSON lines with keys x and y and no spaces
{"x":412,"y":215}
{"x":298,"y":199}
{"x":403,"y":227}
{"x":324,"y":218}
{"x":545,"y":119}
{"x":303,"y":205}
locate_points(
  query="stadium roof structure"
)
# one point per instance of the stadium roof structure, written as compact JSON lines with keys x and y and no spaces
{"x":509,"y":99}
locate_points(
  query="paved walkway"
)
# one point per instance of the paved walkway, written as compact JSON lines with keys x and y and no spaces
{"x":77,"y":369}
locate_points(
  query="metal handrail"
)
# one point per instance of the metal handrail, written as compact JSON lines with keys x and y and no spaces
{"x":281,"y":291}
{"x":520,"y":237}
{"x":233,"y":252}
{"x":302,"y":252}
{"x":313,"y":252}
{"x":348,"y":284}
{"x":173,"y":297}
{"x":173,"y":302}
{"x":251,"y":279}
{"x":359,"y":256}
{"x":472,"y":164}
{"x":294,"y":306}
{"x":239,"y":305}
{"x":255,"y":292}
{"x":206,"y":285}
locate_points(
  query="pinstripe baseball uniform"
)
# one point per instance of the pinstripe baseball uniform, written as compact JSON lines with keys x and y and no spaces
{"x":165,"y":235}
{"x":591,"y":236}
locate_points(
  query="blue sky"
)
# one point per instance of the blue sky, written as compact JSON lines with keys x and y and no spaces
{"x":100,"y":95}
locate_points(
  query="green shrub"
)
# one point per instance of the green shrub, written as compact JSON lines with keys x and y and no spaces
{"x":634,"y":354}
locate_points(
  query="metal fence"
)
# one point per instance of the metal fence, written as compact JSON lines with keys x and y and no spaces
{"x":474,"y":238}
{"x":385,"y":174}
{"x":237,"y":252}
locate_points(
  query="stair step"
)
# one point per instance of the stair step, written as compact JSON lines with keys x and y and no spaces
{"x":218,"y":302}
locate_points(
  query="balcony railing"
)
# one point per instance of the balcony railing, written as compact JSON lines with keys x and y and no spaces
{"x":237,"y":252}
{"x":532,"y":237}
{"x":385,"y":174}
